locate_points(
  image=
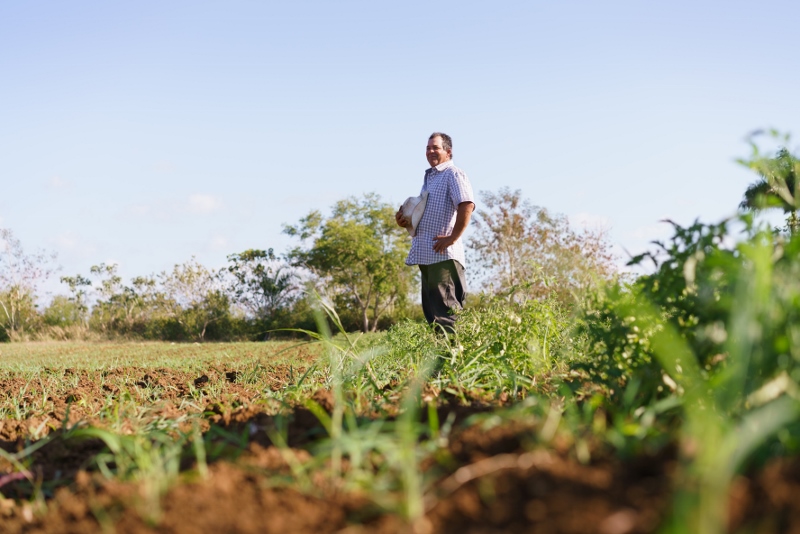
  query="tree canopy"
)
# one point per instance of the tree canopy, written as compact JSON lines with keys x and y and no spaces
{"x":358,"y":254}
{"x":261,"y":283}
{"x":528,"y":251}
{"x":21,"y":273}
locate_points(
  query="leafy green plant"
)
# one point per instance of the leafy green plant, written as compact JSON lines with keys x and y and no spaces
{"x":777,"y":186}
{"x":708,"y":337}
{"x":723,"y":425}
{"x":692,"y":289}
{"x":523,"y":339}
{"x":695,"y":290}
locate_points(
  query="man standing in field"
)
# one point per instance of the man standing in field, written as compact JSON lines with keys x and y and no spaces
{"x":437,"y":246}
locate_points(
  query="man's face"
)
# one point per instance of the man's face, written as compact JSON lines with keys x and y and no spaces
{"x":436,"y":153}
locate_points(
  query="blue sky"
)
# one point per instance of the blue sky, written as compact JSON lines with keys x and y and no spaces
{"x":146,"y":132}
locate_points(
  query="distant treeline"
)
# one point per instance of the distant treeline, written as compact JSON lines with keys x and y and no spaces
{"x":352,"y":258}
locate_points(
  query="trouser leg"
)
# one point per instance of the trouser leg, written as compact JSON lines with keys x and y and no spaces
{"x":443,"y":290}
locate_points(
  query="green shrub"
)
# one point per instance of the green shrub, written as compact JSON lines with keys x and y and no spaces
{"x":525,"y":338}
{"x":697,"y":287}
{"x":497,"y":345}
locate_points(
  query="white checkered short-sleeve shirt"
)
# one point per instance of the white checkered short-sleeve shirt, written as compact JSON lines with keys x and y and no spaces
{"x":447,"y":187}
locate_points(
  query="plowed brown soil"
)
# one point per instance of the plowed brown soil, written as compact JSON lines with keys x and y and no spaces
{"x":492,"y":480}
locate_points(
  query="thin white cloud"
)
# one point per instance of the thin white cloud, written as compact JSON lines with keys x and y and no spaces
{"x":66,"y":241}
{"x":57,"y":183}
{"x":141,"y":210}
{"x":204,"y":204}
{"x":160,"y":211}
{"x":164,"y":166}
{"x":219,"y":242}
{"x":166,"y":210}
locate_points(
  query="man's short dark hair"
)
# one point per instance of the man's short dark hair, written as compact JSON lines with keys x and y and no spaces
{"x":447,"y":142}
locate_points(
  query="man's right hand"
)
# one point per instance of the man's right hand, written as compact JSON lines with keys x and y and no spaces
{"x":401,"y":220}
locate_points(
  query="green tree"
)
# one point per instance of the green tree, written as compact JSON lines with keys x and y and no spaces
{"x":180,"y":304}
{"x":64,"y":311}
{"x":118,"y":308}
{"x":526,"y":251}
{"x":193,"y":296}
{"x":79,"y":287}
{"x":777,"y":186}
{"x":261,"y":284}
{"x":358,"y":254}
{"x":20,"y":276}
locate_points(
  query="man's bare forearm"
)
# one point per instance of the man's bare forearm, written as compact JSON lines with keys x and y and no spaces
{"x":463,"y":215}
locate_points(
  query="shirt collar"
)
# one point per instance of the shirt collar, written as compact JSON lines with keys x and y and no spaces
{"x":442,"y":166}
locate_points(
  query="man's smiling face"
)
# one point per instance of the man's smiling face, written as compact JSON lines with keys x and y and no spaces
{"x":436,"y":153}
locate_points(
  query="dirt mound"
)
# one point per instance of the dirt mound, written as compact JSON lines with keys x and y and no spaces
{"x":535,"y":491}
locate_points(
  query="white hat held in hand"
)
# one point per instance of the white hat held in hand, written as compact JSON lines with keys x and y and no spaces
{"x":413,"y":208}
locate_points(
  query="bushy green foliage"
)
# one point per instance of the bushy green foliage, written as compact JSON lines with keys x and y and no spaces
{"x":525,"y":338}
{"x":713,"y":331}
{"x":691,"y":288}
{"x":62,"y":312}
{"x":498,"y":346}
{"x":696,"y":288}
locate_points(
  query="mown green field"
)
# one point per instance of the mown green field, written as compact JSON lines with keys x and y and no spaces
{"x":98,"y":355}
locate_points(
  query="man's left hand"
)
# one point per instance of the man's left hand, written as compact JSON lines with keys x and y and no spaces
{"x":441,"y":242}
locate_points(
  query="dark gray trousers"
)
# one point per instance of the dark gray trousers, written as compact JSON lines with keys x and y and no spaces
{"x":443,"y":289}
